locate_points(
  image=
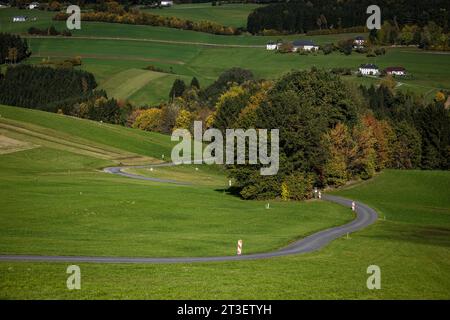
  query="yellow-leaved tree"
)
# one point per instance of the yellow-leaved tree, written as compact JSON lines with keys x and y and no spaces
{"x":184,"y":120}
{"x":440,"y":96}
{"x":149,"y":120}
{"x":285,"y":195}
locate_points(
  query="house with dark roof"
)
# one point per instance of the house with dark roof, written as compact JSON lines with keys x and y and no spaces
{"x":369,"y":69}
{"x":20,"y":19}
{"x":273,"y":45}
{"x":395,"y":71}
{"x":359,"y":41}
{"x":305,"y":45}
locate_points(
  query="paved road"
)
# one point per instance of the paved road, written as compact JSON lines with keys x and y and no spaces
{"x":365,"y":216}
{"x":119,"y":171}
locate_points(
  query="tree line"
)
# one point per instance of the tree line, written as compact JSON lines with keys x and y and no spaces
{"x":60,"y":89}
{"x":113,"y":12}
{"x":301,"y":16}
{"x":13,"y":48}
{"x":430,"y":36}
{"x":50,"y":31}
{"x":188,"y":102}
{"x":331,"y":131}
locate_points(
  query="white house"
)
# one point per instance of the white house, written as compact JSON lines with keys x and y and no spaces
{"x":33,"y":5}
{"x":166,"y":3}
{"x":369,"y":69}
{"x":358,"y":42}
{"x":272,"y":45}
{"x":395,"y":71}
{"x":19,"y":19}
{"x":304,"y":45}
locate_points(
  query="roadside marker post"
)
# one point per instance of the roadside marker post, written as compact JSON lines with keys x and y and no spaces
{"x":315,"y":193}
{"x":353,"y":206}
{"x":320,"y":195}
{"x":229,"y":183}
{"x":268,"y":206}
{"x":239,"y":247}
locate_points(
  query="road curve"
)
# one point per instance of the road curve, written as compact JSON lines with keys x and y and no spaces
{"x":365,"y":216}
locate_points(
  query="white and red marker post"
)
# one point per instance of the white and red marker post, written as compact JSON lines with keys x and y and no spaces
{"x":353,"y":206}
{"x":239,"y":247}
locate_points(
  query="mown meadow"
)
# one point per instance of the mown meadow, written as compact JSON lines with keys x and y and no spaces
{"x":56,"y":200}
{"x":117,"y":55}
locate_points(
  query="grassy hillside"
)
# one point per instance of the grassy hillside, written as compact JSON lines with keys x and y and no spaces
{"x":140,"y":32}
{"x":234,"y":15}
{"x":418,"y":197}
{"x":124,"y":139}
{"x":107,"y":59}
{"x":57,"y":201}
{"x":114,"y":51}
{"x":411,"y":247}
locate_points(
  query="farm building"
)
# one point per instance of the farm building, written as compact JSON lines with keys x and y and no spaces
{"x":274,"y":45}
{"x":20,"y":19}
{"x":33,"y":5}
{"x":395,"y":71}
{"x":369,"y":69}
{"x":359,"y":41}
{"x":305,"y":45}
{"x":271,"y":46}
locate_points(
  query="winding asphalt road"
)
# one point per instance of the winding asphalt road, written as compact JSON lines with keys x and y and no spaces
{"x":365,"y":216}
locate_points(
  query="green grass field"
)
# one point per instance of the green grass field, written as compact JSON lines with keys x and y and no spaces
{"x":117,"y":51}
{"x":108,"y":59}
{"x":142,"y":33}
{"x":57,"y":193}
{"x":140,"y":86}
{"x":234,"y":15}
{"x":55,"y":201}
{"x":214,"y":176}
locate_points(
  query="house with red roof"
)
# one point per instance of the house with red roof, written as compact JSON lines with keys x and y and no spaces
{"x":395,"y":71}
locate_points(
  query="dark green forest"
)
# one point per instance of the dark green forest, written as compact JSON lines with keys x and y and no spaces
{"x":59,"y":89}
{"x":13,"y":48}
{"x":43,"y":88}
{"x":300,"y":16}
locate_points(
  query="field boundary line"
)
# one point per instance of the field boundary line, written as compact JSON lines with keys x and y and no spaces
{"x":195,"y":43}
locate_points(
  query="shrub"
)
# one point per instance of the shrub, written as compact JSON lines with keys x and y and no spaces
{"x":299,"y":186}
{"x":184,"y":120}
{"x":149,"y":120}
